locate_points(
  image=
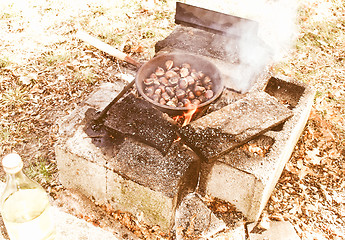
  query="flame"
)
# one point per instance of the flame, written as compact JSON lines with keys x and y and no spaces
{"x":187,"y":116}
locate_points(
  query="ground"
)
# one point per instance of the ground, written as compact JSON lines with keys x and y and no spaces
{"x":45,"y":71}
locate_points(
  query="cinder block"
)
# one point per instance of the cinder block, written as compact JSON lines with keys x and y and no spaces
{"x":77,"y":172}
{"x":136,"y":177}
{"x":157,"y":183}
{"x":153,"y":207}
{"x":247,"y":180}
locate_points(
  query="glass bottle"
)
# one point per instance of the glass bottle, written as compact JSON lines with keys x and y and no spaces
{"x":25,"y":206}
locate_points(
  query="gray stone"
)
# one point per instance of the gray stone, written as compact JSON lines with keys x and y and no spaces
{"x":278,"y":230}
{"x":238,"y":232}
{"x":156,"y":183}
{"x":193,"y":215}
{"x":221,"y":131}
{"x":105,"y":94}
{"x":69,"y":227}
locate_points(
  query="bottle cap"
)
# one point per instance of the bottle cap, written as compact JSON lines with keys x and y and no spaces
{"x":12,"y":163}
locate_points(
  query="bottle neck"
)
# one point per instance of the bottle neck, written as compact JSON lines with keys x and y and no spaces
{"x":20,"y":181}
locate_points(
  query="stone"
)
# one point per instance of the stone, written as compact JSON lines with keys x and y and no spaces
{"x":193,"y":217}
{"x":199,"y":42}
{"x":278,"y":230}
{"x":136,"y":117}
{"x":219,"y":132}
{"x":237,"y":232}
{"x":131,"y":175}
{"x":70,"y":227}
{"x":156,"y":183}
{"x":247,"y":175}
{"x":106,"y":92}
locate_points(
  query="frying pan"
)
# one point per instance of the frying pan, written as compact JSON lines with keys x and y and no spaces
{"x":197,"y":62}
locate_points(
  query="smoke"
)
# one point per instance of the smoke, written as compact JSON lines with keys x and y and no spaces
{"x":274,"y":38}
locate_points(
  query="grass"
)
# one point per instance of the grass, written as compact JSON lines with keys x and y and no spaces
{"x":4,"y":62}
{"x":41,"y":170}
{"x":13,"y":98}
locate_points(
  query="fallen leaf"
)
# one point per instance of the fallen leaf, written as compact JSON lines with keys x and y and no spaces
{"x":36,"y":89}
{"x":137,"y":49}
{"x":25,"y":80}
{"x":313,"y":156}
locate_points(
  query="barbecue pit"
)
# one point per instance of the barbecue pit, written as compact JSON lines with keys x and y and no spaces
{"x":145,"y":162}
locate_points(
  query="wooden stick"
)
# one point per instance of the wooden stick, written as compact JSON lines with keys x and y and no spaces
{"x":106,"y":48}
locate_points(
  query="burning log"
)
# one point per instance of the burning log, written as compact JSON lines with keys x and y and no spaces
{"x":221,"y":131}
{"x":137,"y":117}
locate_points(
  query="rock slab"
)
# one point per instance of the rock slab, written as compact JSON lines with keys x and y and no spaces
{"x":278,"y":230}
{"x":221,"y":131}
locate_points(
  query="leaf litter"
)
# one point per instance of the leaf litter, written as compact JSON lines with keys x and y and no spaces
{"x":45,"y":73}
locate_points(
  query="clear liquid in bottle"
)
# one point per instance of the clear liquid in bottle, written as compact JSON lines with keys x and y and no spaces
{"x":25,"y":208}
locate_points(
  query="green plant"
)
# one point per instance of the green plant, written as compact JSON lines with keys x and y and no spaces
{"x":4,"y":134}
{"x":53,"y":57}
{"x":4,"y":62}
{"x":41,"y":170}
{"x":14,"y":97}
{"x":86,"y":75}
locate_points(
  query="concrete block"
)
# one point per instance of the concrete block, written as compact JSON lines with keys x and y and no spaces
{"x":247,"y":179}
{"x":230,"y":184}
{"x":78,"y":172}
{"x":158,"y":183}
{"x":135,"y":177}
{"x":153,"y":207}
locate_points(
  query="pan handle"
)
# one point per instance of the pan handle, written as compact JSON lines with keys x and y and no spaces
{"x":106,"y":48}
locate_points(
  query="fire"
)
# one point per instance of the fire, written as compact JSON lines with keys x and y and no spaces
{"x":187,"y":116}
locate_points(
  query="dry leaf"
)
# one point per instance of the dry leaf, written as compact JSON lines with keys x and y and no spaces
{"x":36,"y":89}
{"x":137,"y":49}
{"x":25,"y":80}
{"x":312,"y":155}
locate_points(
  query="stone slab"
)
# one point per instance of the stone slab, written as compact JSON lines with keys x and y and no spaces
{"x":137,"y":117}
{"x":278,"y":230}
{"x":199,"y":42}
{"x":195,"y":217}
{"x":147,"y":166}
{"x":221,"y":131}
